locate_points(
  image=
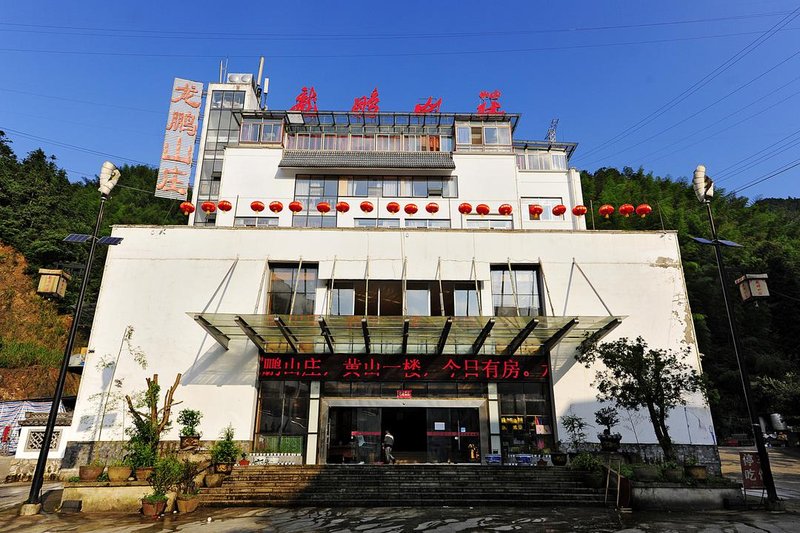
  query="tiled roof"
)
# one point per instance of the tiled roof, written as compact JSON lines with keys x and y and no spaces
{"x":350,"y":159}
{"x":40,"y":419}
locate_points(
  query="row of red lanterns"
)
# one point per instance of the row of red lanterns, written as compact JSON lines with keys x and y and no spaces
{"x":535,"y":210}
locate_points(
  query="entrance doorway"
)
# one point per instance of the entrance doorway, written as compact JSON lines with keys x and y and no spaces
{"x":422,"y":434}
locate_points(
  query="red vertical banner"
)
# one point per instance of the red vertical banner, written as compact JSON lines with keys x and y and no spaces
{"x":751,"y":470}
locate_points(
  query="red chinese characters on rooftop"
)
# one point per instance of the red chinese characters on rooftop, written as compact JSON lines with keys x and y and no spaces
{"x":306,"y":100}
{"x":489,"y":104}
{"x":362,"y":104}
{"x":429,"y":106}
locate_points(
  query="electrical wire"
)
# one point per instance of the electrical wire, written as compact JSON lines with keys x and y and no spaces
{"x":705,"y":80}
{"x":768,"y":176}
{"x":770,"y":147}
{"x":92,"y":103}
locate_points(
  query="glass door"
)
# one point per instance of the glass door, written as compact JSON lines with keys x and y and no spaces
{"x":354,"y":435}
{"x":454,"y":435}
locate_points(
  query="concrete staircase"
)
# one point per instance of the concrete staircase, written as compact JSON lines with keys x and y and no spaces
{"x":401,"y":485}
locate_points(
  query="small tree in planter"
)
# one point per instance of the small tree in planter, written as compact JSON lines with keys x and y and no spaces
{"x":636,"y":376}
{"x":166,"y":473}
{"x":224,"y":452}
{"x":575,"y":427}
{"x":608,"y":418}
{"x":189,"y":419}
{"x":187,"y":499}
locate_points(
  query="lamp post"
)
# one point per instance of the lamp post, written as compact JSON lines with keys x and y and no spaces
{"x":109,"y":175}
{"x":704,"y":190}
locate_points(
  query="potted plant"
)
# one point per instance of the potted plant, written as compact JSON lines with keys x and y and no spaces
{"x":558,"y":458}
{"x":141,"y":458}
{"x":244,"y":461}
{"x":224,"y":452}
{"x":592,"y":467}
{"x":608,"y":417}
{"x":575,"y":426}
{"x":119,"y":471}
{"x":166,"y":473}
{"x":189,"y":419}
{"x":672,"y":471}
{"x":187,"y":499}
{"x":91,"y":471}
{"x":694,"y":470}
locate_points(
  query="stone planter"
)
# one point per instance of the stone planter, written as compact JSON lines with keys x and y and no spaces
{"x":214,"y":480}
{"x":609,"y":442}
{"x":151,"y":510}
{"x":90,"y":473}
{"x":673,"y":474}
{"x":698,"y":472}
{"x":143,"y":473}
{"x":646,"y":472}
{"x":223,"y":468}
{"x":190,"y":442}
{"x":558,"y":459}
{"x":119,"y":473}
{"x":188,"y":505}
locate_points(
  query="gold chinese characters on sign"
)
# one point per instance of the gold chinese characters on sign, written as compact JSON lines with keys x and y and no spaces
{"x":180,"y":134}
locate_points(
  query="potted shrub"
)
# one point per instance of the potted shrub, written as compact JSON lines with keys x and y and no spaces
{"x":189,"y":419}
{"x":119,"y":471}
{"x":91,"y":471}
{"x":694,"y":470}
{"x":646,"y":472}
{"x":141,"y":458}
{"x":187,"y":499}
{"x":608,"y":417}
{"x":593,"y":468}
{"x":244,"y":461}
{"x":166,"y":473}
{"x":558,"y":458}
{"x":575,"y":426}
{"x":224,"y":452}
{"x":672,"y":471}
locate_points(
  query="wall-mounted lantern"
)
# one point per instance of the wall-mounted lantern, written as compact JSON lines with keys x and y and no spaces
{"x":753,"y":286}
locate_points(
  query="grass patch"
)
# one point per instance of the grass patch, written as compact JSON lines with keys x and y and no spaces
{"x":24,"y":354}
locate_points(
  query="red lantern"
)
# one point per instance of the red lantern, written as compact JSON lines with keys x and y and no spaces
{"x":275,"y":207}
{"x":482,"y":209}
{"x":411,"y":209}
{"x":626,"y":210}
{"x":208,"y":207}
{"x":393,"y":207}
{"x":187,"y":208}
{"x":257,"y":206}
{"x":367,"y":207}
{"x":225,"y":205}
{"x":343,"y":207}
{"x":505,"y":209}
{"x":295,"y":207}
{"x":465,"y":208}
{"x":323,"y":207}
{"x":606,"y":210}
{"x":559,"y":210}
{"x":579,"y":210}
{"x":643,"y":210}
{"x":432,"y":208}
{"x":535,"y":210}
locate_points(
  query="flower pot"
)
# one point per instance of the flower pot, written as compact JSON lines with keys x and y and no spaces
{"x":189,"y":442}
{"x":143,"y":473}
{"x":646,"y":472}
{"x":673,"y":474}
{"x":244,"y":462}
{"x":558,"y":459}
{"x":151,"y":510}
{"x":214,"y":480}
{"x":90,"y":473}
{"x":609,"y":442}
{"x":188,"y":505}
{"x":698,"y":472}
{"x":223,"y":468}
{"x":119,"y":473}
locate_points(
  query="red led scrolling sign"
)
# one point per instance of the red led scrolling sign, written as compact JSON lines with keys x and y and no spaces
{"x":349,"y":367}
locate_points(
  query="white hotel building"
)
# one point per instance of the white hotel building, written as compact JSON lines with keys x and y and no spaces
{"x":312,"y":332}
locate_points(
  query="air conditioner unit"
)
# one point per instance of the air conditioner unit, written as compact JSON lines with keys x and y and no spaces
{"x":240,"y":78}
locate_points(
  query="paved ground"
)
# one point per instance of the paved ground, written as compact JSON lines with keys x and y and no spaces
{"x":786,"y":467}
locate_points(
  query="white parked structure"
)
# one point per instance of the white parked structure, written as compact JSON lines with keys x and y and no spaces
{"x":372,"y":297}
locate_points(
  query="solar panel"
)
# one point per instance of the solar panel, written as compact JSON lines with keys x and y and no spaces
{"x":77,"y":237}
{"x":723,"y":242}
{"x":701,"y":240}
{"x":730,"y":243}
{"x":111,"y":241}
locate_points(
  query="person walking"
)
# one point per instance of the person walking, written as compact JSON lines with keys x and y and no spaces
{"x":388,"y":444}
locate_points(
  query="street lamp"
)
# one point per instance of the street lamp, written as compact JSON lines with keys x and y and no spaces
{"x":704,"y":190}
{"x":109,"y":175}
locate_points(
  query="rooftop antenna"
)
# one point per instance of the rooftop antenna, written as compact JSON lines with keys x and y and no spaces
{"x":551,"y":131}
{"x":220,"y":71}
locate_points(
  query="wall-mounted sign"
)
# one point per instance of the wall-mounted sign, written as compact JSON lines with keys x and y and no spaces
{"x":306,"y":100}
{"x":349,"y":367}
{"x":177,"y":153}
{"x":489,"y":104}
{"x":429,"y":106}
{"x":362,"y":104}
{"x":403,"y":394}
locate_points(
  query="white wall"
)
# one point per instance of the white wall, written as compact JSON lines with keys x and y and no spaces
{"x":159,"y":276}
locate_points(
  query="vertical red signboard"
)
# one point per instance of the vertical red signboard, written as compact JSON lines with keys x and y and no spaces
{"x":751,"y":470}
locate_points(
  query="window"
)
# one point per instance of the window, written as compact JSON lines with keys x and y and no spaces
{"x":560,"y":161}
{"x":488,"y":223}
{"x":271,"y":131}
{"x":311,"y":190}
{"x":463,"y":135}
{"x":283,"y":417}
{"x":547,"y":204}
{"x":476,"y":135}
{"x":547,"y":161}
{"x":526,"y":425}
{"x":418,"y":300}
{"x":335,"y":142}
{"x":427,"y":223}
{"x":252,"y":222}
{"x":343,"y":298}
{"x":389,"y":143}
{"x":362,"y":142}
{"x":405,"y":187}
{"x":289,"y":282}
{"x":496,"y":135}
{"x":377,"y":223}
{"x":446,"y":144}
{"x":412,"y":143}
{"x":516,"y":292}
{"x":250,"y":130}
{"x":520,"y":155}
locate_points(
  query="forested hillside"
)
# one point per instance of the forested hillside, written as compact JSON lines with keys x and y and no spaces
{"x":769,"y":231}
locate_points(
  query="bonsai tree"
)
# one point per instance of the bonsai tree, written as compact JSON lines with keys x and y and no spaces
{"x":575,"y":427}
{"x":189,"y":419}
{"x":608,"y":418}
{"x":151,"y":421}
{"x":187,"y":488}
{"x":636,"y":376}
{"x":225,"y":451}
{"x":166,"y":474}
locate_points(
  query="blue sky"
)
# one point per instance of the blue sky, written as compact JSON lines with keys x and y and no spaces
{"x":97,"y":75}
